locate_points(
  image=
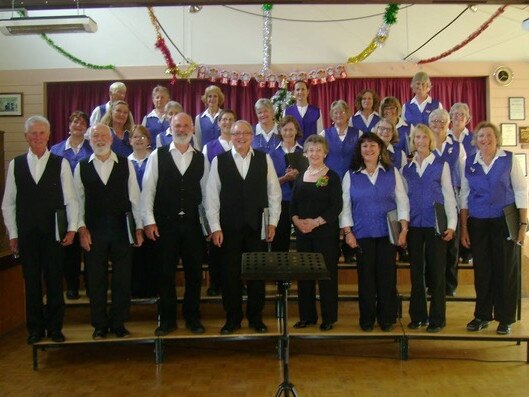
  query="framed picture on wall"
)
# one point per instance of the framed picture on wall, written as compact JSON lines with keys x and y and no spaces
{"x":509,"y":134}
{"x":10,"y":104}
{"x":522,"y":160}
{"x":523,"y":132}
{"x":516,"y":108}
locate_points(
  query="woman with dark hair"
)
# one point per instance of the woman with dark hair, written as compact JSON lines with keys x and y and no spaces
{"x":287,"y":158}
{"x":74,"y":149}
{"x":492,"y":180}
{"x":308,"y":116}
{"x":117,"y":118}
{"x":315,"y":206}
{"x":371,"y":189}
{"x":365,"y":119}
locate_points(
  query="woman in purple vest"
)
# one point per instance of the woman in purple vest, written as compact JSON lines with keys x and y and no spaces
{"x":206,"y":126}
{"x":143,"y":277}
{"x":419,"y":108}
{"x":308,"y":116}
{"x":365,"y":119}
{"x":493,"y":180}
{"x":74,"y":149}
{"x":391,"y":109}
{"x":287,"y":172}
{"x":117,"y":118}
{"x":371,"y":189}
{"x":386,"y":131}
{"x":460,"y":117}
{"x":155,"y":121}
{"x":429,"y":182}
{"x":266,"y":136}
{"x":315,"y":206}
{"x":341,"y":139}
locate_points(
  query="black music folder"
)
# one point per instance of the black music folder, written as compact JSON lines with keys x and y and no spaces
{"x":131,"y":228}
{"x":512,"y":219}
{"x":297,"y":161}
{"x":61,"y":224}
{"x":204,"y":224}
{"x":441,"y":222}
{"x":394,"y":226}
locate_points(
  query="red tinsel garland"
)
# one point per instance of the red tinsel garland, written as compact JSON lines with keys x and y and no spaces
{"x":160,"y":44}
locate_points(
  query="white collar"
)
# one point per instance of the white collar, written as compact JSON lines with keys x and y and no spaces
{"x":235,"y":153}
{"x":427,"y":100}
{"x":112,"y":157}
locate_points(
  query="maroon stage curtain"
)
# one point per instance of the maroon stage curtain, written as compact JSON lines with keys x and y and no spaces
{"x":65,"y":97}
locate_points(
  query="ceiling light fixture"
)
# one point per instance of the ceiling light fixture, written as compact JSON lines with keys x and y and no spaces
{"x":45,"y":25}
{"x":194,"y":9}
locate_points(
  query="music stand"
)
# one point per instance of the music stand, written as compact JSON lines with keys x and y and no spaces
{"x":284,"y":267}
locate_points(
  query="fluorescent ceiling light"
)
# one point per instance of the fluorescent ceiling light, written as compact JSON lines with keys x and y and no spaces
{"x":39,"y":25}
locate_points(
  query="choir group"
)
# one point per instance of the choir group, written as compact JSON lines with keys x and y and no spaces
{"x":388,"y":180}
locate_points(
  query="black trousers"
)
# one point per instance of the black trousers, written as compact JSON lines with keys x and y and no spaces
{"x":235,"y":243}
{"x":329,"y":247}
{"x":281,"y":241}
{"x":144,"y":276}
{"x":181,"y":238}
{"x":72,"y":264}
{"x":112,"y":244}
{"x":496,"y":270}
{"x":41,"y":258}
{"x":377,"y":281}
{"x":452,"y":261}
{"x":427,"y":251}
{"x":214,"y":266}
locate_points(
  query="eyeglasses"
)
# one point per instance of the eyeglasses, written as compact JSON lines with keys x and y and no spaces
{"x":141,"y":138}
{"x":458,"y":114}
{"x":239,"y":134}
{"x":437,"y":121}
{"x":385,"y":129}
{"x":338,"y":113}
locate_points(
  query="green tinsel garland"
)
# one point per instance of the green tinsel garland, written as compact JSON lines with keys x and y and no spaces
{"x":74,"y":59}
{"x":267,"y":7}
{"x":390,"y":16}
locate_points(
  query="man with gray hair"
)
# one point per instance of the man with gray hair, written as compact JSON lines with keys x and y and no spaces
{"x":242,"y":183}
{"x":39,"y":189}
{"x":108,"y":192}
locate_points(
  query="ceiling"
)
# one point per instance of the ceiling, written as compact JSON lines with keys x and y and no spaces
{"x":65,"y":4}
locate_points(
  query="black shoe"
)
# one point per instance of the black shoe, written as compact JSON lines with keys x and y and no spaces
{"x":72,"y":294}
{"x":366,"y":327}
{"x":100,"y":333}
{"x":212,"y":291}
{"x":229,"y":328}
{"x":387,"y":327}
{"x":433,"y":328}
{"x":417,"y":324}
{"x":56,"y":336}
{"x":258,"y":326}
{"x":450,"y":292}
{"x":121,"y":332}
{"x":164,"y":329}
{"x":503,"y":329}
{"x":35,"y":337}
{"x":326,"y":326}
{"x":195,"y":326}
{"x":304,"y":324}
{"x":477,"y":324}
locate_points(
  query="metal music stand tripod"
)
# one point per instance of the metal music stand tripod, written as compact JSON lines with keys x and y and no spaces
{"x":284,"y":267}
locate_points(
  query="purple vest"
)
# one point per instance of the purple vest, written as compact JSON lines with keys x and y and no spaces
{"x":470,"y":149}
{"x":413,"y":115}
{"x":423,"y":192}
{"x":404,"y":135}
{"x":280,"y":164}
{"x":210,"y":131}
{"x":371,"y":203}
{"x":259,"y":142}
{"x":308,"y":123}
{"x":156,"y":127}
{"x":165,"y":139}
{"x":396,"y":156}
{"x":358,"y":122}
{"x":121,"y":147}
{"x":73,"y":158}
{"x":214,"y":149}
{"x":340,"y":154}
{"x":489,"y":193}
{"x":140,"y":170}
{"x":451,"y":155}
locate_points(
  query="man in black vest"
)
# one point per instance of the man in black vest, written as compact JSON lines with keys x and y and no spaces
{"x":107,"y":190}
{"x":242,"y":182}
{"x":38,"y":184}
{"x":171,"y":195}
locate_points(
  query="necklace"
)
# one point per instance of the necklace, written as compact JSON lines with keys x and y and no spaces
{"x":312,"y":171}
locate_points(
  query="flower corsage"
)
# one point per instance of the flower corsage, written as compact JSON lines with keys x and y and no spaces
{"x":322,"y":181}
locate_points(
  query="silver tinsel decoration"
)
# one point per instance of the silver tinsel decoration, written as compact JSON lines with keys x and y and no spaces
{"x":267,"y":40}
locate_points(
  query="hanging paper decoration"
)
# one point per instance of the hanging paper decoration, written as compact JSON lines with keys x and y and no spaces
{"x":468,"y":39}
{"x":267,"y":37}
{"x":390,"y":18}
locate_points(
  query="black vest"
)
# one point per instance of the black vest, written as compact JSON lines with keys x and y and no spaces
{"x":105,"y":203}
{"x":177,"y":193}
{"x":36,"y":203}
{"x":242,"y":200}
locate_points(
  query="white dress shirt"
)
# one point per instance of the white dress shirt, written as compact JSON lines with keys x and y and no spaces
{"x":36,"y":168}
{"x":150,"y":178}
{"x":214,"y":186}
{"x":267,"y":135}
{"x":519,"y":184}
{"x":103,"y":169}
{"x":226,"y":145}
{"x":401,"y":197}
